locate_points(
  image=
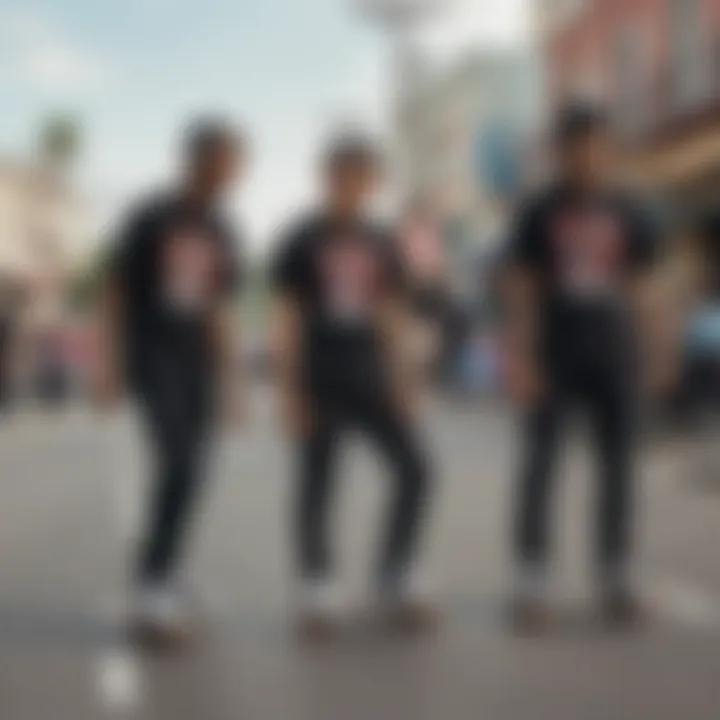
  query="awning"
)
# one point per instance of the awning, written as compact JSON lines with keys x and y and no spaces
{"x":681,"y":163}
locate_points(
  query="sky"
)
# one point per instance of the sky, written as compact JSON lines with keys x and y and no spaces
{"x":133,"y":71}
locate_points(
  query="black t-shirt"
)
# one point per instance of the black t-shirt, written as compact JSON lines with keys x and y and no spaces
{"x":584,"y":251}
{"x":339,"y":273}
{"x":175,"y":263}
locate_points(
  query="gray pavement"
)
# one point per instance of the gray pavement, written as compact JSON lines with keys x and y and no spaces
{"x":69,"y":505}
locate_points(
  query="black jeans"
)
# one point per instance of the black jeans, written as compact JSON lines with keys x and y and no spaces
{"x":174,"y":393}
{"x":373,"y":413}
{"x":5,"y":341}
{"x":606,"y":391}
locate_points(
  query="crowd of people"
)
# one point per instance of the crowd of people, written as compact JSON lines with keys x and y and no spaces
{"x":353,"y":332}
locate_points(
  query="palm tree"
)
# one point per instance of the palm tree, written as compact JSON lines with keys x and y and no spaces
{"x":60,"y":142}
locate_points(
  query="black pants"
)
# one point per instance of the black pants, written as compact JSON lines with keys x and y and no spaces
{"x":5,"y":341}
{"x":174,"y":397}
{"x":371,"y":412}
{"x":606,"y":391}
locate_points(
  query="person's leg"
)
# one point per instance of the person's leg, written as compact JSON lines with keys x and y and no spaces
{"x":313,"y":498}
{"x":4,"y":353}
{"x":398,"y":441}
{"x":177,"y":414}
{"x":614,"y":419}
{"x":534,"y":488}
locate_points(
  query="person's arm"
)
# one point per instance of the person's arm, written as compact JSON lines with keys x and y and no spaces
{"x":226,"y":332}
{"x":659,"y":344}
{"x":652,"y":305}
{"x":397,"y":339}
{"x":285,"y":343}
{"x":110,"y":311}
{"x":288,"y":276}
{"x":519,"y":294}
{"x":227,"y":354}
{"x":107,"y":351}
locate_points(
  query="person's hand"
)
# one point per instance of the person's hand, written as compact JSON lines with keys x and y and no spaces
{"x":296,"y":415}
{"x":233,"y":402}
{"x":408,"y":399}
{"x":524,"y":381}
{"x":106,"y":386}
{"x":661,"y":379}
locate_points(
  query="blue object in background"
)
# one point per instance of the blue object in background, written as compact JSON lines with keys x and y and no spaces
{"x":478,"y":368}
{"x":702,"y":333}
{"x":497,"y":158}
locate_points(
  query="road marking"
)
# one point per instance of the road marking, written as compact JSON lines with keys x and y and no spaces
{"x":685,"y":603}
{"x":118,"y":680}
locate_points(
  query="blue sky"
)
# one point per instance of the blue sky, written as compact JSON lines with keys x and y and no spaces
{"x":133,"y":70}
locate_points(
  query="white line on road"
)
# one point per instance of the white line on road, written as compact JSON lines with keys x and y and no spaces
{"x":118,"y":681}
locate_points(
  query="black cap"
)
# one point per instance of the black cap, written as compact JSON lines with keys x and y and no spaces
{"x":203,"y":135}
{"x":351,"y":149}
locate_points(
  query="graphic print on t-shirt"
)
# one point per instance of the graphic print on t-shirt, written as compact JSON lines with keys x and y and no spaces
{"x":189,"y":266}
{"x":349,"y":276}
{"x":588,"y":247}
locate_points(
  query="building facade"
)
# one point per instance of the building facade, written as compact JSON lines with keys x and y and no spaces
{"x":43,"y":224}
{"x":44,"y":238}
{"x":656,"y":65}
{"x":443,"y":117}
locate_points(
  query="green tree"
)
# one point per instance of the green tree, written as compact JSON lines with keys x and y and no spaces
{"x":60,"y":138}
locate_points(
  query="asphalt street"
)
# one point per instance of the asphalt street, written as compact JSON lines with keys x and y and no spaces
{"x":70,"y":506}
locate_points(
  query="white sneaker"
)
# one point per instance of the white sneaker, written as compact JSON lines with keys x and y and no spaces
{"x":531,"y":583}
{"x":617,"y":580}
{"x":319,"y":607}
{"x":321,"y":597}
{"x":160,"y":609}
{"x":410,"y":602}
{"x":413,"y":584}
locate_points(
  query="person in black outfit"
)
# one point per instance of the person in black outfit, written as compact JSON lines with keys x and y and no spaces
{"x":166,"y":328}
{"x":339,"y":326}
{"x":580,"y":250}
{"x":11,"y":298}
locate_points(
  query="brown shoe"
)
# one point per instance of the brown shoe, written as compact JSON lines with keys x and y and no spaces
{"x":162,"y":637}
{"x":320,"y":611}
{"x":160,"y":619}
{"x":623,"y":611}
{"x":407,"y":604}
{"x":315,"y":629}
{"x":528,"y":616}
{"x":412,"y":616}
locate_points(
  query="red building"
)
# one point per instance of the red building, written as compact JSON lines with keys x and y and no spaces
{"x":656,"y":65}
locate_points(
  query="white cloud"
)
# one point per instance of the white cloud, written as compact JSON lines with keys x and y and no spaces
{"x":37,"y":54}
{"x":364,"y":99}
{"x":469,"y":22}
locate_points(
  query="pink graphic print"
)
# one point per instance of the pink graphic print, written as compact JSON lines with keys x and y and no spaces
{"x":350,"y":275}
{"x":589,"y":250}
{"x":189,"y":269}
